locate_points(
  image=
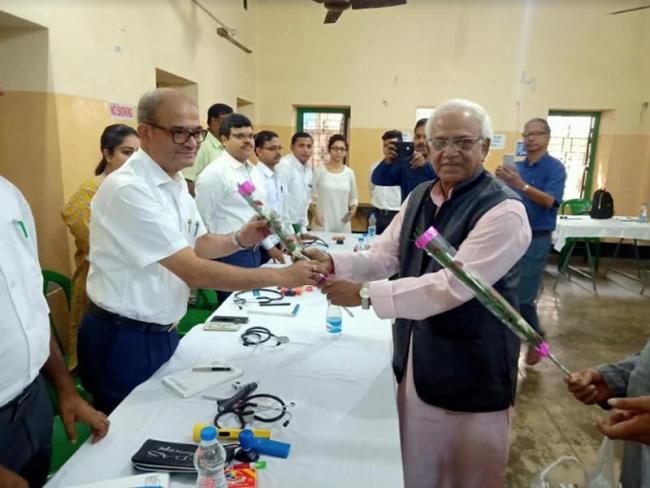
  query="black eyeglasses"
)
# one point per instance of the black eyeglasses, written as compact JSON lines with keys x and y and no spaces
{"x":533,"y":134}
{"x":461,"y":144}
{"x":181,"y":136}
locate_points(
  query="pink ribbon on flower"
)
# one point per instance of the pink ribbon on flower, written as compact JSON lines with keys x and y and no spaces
{"x":543,"y":349}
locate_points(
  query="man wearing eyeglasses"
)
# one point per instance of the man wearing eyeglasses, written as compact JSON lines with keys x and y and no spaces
{"x":455,"y":362}
{"x":268,"y":150}
{"x":148,"y":247}
{"x":219,"y":203}
{"x":211,"y":148}
{"x":539,"y":179}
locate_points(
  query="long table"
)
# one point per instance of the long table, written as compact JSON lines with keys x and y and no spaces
{"x":584,"y":227}
{"x":344,"y":430}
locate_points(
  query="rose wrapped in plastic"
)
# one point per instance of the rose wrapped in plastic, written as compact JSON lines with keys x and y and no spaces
{"x":436,"y":246}
{"x":246,"y":190}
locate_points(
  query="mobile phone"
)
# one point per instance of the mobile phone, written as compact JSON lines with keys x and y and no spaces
{"x":508,"y":161}
{"x":228,"y":318}
{"x":405,"y":151}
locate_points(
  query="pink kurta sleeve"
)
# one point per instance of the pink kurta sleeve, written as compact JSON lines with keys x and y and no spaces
{"x":497,"y":241}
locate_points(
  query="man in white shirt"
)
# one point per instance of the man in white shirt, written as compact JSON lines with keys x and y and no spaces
{"x":299,"y":173}
{"x":221,"y":206}
{"x":26,"y":350}
{"x":211,"y":148}
{"x":268,"y":150}
{"x":386,"y":200}
{"x":148,"y":247}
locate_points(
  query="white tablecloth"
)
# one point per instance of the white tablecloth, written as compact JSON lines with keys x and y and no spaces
{"x":582,"y":226}
{"x":344,"y":430}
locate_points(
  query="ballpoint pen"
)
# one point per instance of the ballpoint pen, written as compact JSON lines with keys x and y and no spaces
{"x":212,"y":368}
{"x":196,"y":228}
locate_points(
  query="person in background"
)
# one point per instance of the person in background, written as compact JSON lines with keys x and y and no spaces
{"x":386,"y":200}
{"x":406,"y":175}
{"x":117,"y":143}
{"x":335,"y":190}
{"x":221,"y":206}
{"x":455,"y":362}
{"x":211,"y":148}
{"x":268,"y":150}
{"x":299,"y":174}
{"x":539,"y":179}
{"x":630,"y":421}
{"x":28,"y":355}
{"x":149,"y":246}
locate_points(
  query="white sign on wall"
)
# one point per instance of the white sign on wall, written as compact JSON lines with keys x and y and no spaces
{"x":498,"y":142}
{"x":121,"y":111}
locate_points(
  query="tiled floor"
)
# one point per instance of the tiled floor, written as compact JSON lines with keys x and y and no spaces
{"x":584,"y":329}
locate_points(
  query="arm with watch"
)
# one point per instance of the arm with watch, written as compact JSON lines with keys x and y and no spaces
{"x":512,"y":177}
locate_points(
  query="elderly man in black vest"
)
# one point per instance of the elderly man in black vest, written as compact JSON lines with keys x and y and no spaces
{"x":456,"y":364}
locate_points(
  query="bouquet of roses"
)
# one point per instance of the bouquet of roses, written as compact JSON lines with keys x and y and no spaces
{"x":246,"y":190}
{"x":439,"y":249}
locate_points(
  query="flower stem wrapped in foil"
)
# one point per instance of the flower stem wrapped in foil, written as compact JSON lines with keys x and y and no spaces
{"x":246,"y":190}
{"x":436,"y":246}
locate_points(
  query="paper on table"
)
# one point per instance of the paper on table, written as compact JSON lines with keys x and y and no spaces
{"x":149,"y":479}
{"x":188,"y":383}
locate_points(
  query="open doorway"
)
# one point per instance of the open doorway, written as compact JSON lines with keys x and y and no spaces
{"x":574,"y":136}
{"x":165,"y":79}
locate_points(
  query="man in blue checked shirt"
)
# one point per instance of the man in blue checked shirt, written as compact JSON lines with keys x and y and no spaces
{"x":539,"y":179}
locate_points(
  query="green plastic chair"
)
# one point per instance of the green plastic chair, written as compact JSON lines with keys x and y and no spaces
{"x":62,"y":448}
{"x":206,"y":303}
{"x":578,"y":206}
{"x":65,"y":284}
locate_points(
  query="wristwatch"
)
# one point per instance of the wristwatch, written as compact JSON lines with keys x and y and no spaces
{"x":364,"y":293}
{"x":525,"y":187}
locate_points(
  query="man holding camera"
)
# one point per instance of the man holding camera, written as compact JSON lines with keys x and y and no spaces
{"x":539,"y":179}
{"x":399,"y":168}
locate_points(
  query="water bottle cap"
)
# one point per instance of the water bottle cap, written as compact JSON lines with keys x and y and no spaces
{"x":208,"y":433}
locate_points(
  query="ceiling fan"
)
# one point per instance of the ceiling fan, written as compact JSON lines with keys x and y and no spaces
{"x":624,"y":11}
{"x":336,"y":7}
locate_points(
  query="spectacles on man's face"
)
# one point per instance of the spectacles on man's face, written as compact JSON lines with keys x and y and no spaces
{"x":272,"y":148}
{"x":243,"y":137}
{"x":461,"y":144}
{"x":536,"y":133}
{"x":181,"y":135}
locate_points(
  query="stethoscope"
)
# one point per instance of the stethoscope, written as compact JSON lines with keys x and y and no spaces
{"x":271,"y":297}
{"x":246,"y":407}
{"x":255,"y":336}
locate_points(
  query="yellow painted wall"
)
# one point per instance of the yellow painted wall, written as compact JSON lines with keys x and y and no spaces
{"x":518,"y":59}
{"x":64,"y":61}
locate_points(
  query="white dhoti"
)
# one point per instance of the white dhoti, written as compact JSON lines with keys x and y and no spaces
{"x":446,"y":449}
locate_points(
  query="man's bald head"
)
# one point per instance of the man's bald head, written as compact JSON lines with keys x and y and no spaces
{"x":151,"y":102}
{"x":166,"y":118}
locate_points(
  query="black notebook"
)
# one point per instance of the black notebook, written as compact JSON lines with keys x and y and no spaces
{"x":172,"y":457}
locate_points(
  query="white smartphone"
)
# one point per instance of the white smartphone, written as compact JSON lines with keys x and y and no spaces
{"x":509,"y":161}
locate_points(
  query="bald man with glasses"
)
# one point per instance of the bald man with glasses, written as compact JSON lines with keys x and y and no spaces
{"x":148,"y":247}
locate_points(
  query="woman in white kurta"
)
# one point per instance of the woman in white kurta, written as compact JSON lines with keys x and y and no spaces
{"x":335,"y":190}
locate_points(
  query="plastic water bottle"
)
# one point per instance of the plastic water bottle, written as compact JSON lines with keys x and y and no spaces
{"x":334,"y":319}
{"x":643,"y":213}
{"x":210,"y":460}
{"x":372,"y":226}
